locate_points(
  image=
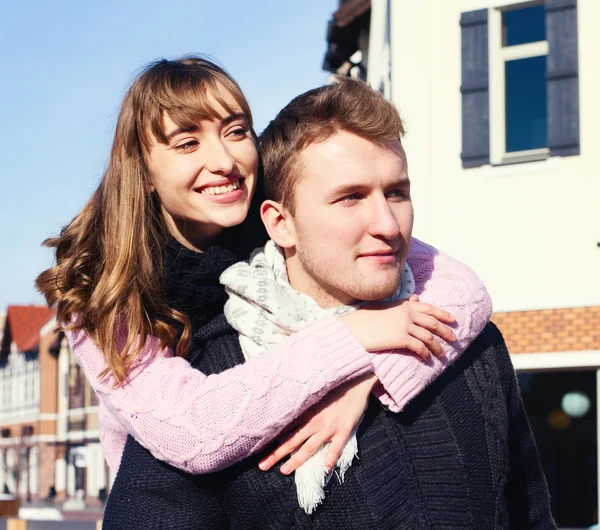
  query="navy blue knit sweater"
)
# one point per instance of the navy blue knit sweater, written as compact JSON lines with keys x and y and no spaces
{"x":461,"y":455}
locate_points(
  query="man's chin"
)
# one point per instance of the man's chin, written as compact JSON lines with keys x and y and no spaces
{"x":372,"y":292}
{"x":379,"y":285}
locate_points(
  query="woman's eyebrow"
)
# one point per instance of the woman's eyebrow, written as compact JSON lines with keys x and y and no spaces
{"x":194,"y":128}
{"x":181,"y":130}
{"x":232,"y":117}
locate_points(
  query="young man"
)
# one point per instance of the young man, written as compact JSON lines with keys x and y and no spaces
{"x":461,"y":454}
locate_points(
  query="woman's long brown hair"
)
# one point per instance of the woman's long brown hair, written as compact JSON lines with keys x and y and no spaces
{"x":107,"y":277}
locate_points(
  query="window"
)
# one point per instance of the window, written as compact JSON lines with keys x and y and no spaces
{"x":562,"y":408}
{"x":518,"y":52}
{"x":520,"y":88}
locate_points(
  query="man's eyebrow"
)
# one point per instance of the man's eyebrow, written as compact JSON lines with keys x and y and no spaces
{"x":349,"y":188}
{"x":346,"y":189}
{"x":181,"y":130}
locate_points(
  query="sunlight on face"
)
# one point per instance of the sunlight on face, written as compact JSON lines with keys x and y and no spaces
{"x":205,"y":175}
{"x":353,"y":220}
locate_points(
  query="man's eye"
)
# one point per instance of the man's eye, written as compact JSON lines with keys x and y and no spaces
{"x":351,"y":198}
{"x":399,"y":194}
{"x":188,"y":146}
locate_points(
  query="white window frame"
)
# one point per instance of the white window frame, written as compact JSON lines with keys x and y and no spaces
{"x":498,"y":55}
{"x":565,"y":361}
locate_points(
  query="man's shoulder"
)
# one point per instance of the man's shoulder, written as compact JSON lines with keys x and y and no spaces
{"x":486,"y":362}
{"x":490,"y":338}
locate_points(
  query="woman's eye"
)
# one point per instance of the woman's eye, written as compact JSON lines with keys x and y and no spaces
{"x":188,"y":146}
{"x":239,"y":131}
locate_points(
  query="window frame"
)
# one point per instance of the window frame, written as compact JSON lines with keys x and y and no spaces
{"x":566,"y":361}
{"x":498,"y":56}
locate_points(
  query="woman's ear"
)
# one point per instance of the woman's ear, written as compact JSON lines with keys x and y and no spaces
{"x":279,"y":223}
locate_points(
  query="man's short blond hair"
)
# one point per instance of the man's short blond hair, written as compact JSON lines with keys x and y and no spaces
{"x":348,"y":104}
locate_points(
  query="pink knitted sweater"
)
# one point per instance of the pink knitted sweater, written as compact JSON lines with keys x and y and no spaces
{"x":202,"y":424}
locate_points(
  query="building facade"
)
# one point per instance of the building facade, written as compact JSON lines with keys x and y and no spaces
{"x":27,"y":378}
{"x":49,"y":446}
{"x":81,"y":475}
{"x":499,"y":99}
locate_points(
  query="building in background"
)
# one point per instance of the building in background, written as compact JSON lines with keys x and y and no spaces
{"x":27,"y":380}
{"x":499,"y":98}
{"x":49,"y":446}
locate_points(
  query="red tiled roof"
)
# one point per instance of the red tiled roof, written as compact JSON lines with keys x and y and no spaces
{"x":24,"y":322}
{"x":351,"y":10}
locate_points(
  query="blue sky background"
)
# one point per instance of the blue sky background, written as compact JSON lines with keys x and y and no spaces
{"x":65,"y":68}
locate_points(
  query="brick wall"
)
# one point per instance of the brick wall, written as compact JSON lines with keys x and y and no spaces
{"x":550,"y":330}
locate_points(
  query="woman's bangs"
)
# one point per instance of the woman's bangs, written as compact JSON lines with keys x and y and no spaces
{"x":191,"y":100}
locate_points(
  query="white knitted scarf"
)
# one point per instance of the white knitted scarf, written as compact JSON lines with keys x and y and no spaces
{"x":265,"y":309}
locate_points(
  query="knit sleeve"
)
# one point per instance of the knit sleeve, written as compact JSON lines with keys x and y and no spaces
{"x":450,"y":285}
{"x":200,"y":423}
{"x":112,"y":437}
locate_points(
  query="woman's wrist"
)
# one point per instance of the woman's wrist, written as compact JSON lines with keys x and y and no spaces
{"x":355,"y":322}
{"x":367,"y":381}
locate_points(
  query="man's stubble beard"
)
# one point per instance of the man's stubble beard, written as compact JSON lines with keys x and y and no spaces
{"x":346,"y":291}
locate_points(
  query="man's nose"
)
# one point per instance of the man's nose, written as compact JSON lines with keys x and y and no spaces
{"x":218,"y":157}
{"x":383,"y":221}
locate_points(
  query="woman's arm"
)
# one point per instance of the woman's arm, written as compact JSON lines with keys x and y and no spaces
{"x":448,"y":284}
{"x":202,"y":423}
{"x":112,"y":437}
{"x":441,"y":283}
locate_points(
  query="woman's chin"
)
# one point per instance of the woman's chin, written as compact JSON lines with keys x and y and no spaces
{"x":232,"y":218}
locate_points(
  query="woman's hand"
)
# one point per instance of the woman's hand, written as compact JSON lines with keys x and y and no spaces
{"x":407,"y":324}
{"x":331,"y":420}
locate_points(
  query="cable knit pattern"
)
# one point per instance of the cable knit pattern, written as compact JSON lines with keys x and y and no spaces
{"x":163,"y":400}
{"x":207,"y":423}
{"x":264,"y":309}
{"x":434,"y":466}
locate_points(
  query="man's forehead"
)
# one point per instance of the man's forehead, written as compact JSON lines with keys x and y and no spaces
{"x":348,"y":156}
{"x":351,"y":145}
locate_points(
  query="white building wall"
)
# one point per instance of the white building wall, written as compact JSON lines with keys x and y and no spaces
{"x":63,"y":390}
{"x":34,"y":470}
{"x":95,"y":469}
{"x":529,"y":230}
{"x":11,"y":467}
{"x":3,"y":465}
{"x":20,"y":380}
{"x":60,"y":471}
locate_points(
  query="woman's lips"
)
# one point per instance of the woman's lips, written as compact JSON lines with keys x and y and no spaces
{"x":223,"y":194}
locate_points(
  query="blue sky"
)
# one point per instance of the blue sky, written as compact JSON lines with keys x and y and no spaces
{"x":65,"y":67}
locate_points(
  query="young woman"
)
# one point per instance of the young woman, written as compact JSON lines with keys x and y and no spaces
{"x":137,"y":274}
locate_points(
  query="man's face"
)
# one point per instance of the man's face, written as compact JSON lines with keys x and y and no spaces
{"x":353,"y":220}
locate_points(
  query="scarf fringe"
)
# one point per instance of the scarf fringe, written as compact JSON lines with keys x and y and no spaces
{"x":312,"y":477}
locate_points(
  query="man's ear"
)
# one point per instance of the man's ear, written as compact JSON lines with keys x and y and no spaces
{"x":279,"y":223}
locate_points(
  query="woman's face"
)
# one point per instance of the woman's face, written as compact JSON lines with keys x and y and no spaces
{"x":205,"y":176}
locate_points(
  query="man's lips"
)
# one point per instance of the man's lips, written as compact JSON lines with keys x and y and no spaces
{"x":379,"y":253}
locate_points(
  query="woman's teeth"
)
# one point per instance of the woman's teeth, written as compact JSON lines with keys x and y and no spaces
{"x":218,"y":190}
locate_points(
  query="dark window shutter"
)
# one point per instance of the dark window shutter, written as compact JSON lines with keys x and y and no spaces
{"x":475,"y":89}
{"x":563,"y":77}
